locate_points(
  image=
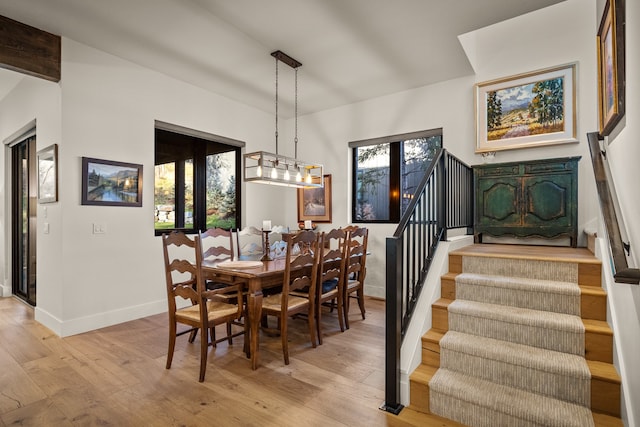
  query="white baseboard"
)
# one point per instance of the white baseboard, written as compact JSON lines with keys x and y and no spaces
{"x":5,"y":291}
{"x":101,"y":320}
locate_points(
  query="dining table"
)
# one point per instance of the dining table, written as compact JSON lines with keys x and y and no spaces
{"x":256,"y":275}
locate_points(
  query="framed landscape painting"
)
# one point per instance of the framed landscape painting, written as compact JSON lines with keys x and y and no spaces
{"x":527,"y":110}
{"x":611,"y":68}
{"x":109,"y":183}
{"x":314,"y":204}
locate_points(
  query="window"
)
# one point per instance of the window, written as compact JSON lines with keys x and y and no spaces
{"x":387,"y":171}
{"x":195,"y":180}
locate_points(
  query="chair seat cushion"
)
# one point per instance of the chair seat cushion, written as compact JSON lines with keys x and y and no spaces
{"x":216,"y":310}
{"x":329,"y":285}
{"x":352,"y":284}
{"x":273,"y":302}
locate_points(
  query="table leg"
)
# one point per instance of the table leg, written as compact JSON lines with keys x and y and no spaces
{"x":255,"y":313}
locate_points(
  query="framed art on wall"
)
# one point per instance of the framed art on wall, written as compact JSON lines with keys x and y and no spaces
{"x":48,"y":174}
{"x":314,"y":204}
{"x":611,"y":68}
{"x":527,"y":110}
{"x":109,"y":183}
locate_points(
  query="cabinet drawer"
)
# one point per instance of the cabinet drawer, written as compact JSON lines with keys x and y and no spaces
{"x":538,"y":168}
{"x":501,"y":170}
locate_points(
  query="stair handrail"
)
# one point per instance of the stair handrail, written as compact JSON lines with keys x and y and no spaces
{"x":622,"y":272}
{"x":443,"y":200}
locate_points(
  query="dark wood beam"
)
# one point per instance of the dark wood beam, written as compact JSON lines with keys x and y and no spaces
{"x":28,"y":50}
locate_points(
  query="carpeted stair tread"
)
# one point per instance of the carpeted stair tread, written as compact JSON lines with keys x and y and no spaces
{"x":479,"y":403}
{"x":537,"y":269}
{"x":553,"y":331}
{"x":550,"y":373}
{"x":525,"y":292}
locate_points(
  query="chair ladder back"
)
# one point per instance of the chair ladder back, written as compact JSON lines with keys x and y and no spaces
{"x":333,"y":260}
{"x":301,"y":267}
{"x":217,"y":244}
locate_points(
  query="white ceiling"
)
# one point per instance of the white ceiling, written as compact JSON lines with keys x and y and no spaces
{"x":351,"y":50}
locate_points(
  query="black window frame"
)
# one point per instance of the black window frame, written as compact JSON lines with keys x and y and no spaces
{"x":201,"y":144}
{"x":395,"y":158}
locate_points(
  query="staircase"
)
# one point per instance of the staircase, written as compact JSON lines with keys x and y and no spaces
{"x":519,"y":337}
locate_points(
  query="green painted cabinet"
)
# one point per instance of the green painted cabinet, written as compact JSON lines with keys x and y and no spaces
{"x":537,"y":198}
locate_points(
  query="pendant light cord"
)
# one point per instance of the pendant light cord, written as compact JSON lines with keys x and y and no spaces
{"x":295,"y":139}
{"x":276,"y":106}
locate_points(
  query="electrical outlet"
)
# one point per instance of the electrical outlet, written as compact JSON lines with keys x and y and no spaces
{"x":46,"y":228}
{"x":99,"y":228}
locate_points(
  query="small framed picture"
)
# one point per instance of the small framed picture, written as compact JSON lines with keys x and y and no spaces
{"x":314,"y":204}
{"x":109,"y":183}
{"x":527,"y":110}
{"x":48,"y":174}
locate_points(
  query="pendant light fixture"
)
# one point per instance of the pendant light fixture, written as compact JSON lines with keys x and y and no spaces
{"x":269,"y":168}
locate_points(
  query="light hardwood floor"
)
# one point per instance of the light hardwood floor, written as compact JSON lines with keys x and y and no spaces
{"x":116,"y":376}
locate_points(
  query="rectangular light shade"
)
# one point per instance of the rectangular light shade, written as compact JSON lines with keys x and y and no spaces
{"x":268,"y":168}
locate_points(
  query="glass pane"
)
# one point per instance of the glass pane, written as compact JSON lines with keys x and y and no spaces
{"x":417,"y":155}
{"x":372,"y":183}
{"x":221,"y":190}
{"x":165,"y":196}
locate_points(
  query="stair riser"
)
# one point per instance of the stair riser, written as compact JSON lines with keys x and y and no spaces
{"x":571,"y":389}
{"x":593,"y":307}
{"x":598,"y":346}
{"x":605,"y":397}
{"x":430,"y":357}
{"x":440,"y":318}
{"x":448,"y":288}
{"x":419,"y":396}
{"x":590,"y":275}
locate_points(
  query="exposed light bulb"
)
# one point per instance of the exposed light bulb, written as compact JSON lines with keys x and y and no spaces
{"x":274,"y":173}
{"x":287,"y":177}
{"x":308,"y":178}
{"x":259,"y":171}
{"x":298,"y":177}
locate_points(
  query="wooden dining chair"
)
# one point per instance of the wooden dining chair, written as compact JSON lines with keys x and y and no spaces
{"x":217,"y":245}
{"x":331,"y":277}
{"x":355,"y":270}
{"x":182,"y":261}
{"x":249,"y":242}
{"x":301,"y":273}
{"x":277,"y":243}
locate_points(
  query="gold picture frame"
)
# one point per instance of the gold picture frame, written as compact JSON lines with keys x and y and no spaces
{"x":314,"y":204}
{"x":611,"y":66}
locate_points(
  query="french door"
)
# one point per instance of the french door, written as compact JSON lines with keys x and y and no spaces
{"x":24,"y":207}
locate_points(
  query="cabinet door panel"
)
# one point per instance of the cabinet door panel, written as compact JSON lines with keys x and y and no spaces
{"x":548,"y":200}
{"x":498,"y":202}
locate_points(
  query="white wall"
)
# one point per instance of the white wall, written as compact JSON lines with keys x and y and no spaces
{"x":106,"y":110}
{"x":31,"y":99}
{"x":623,"y":156}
